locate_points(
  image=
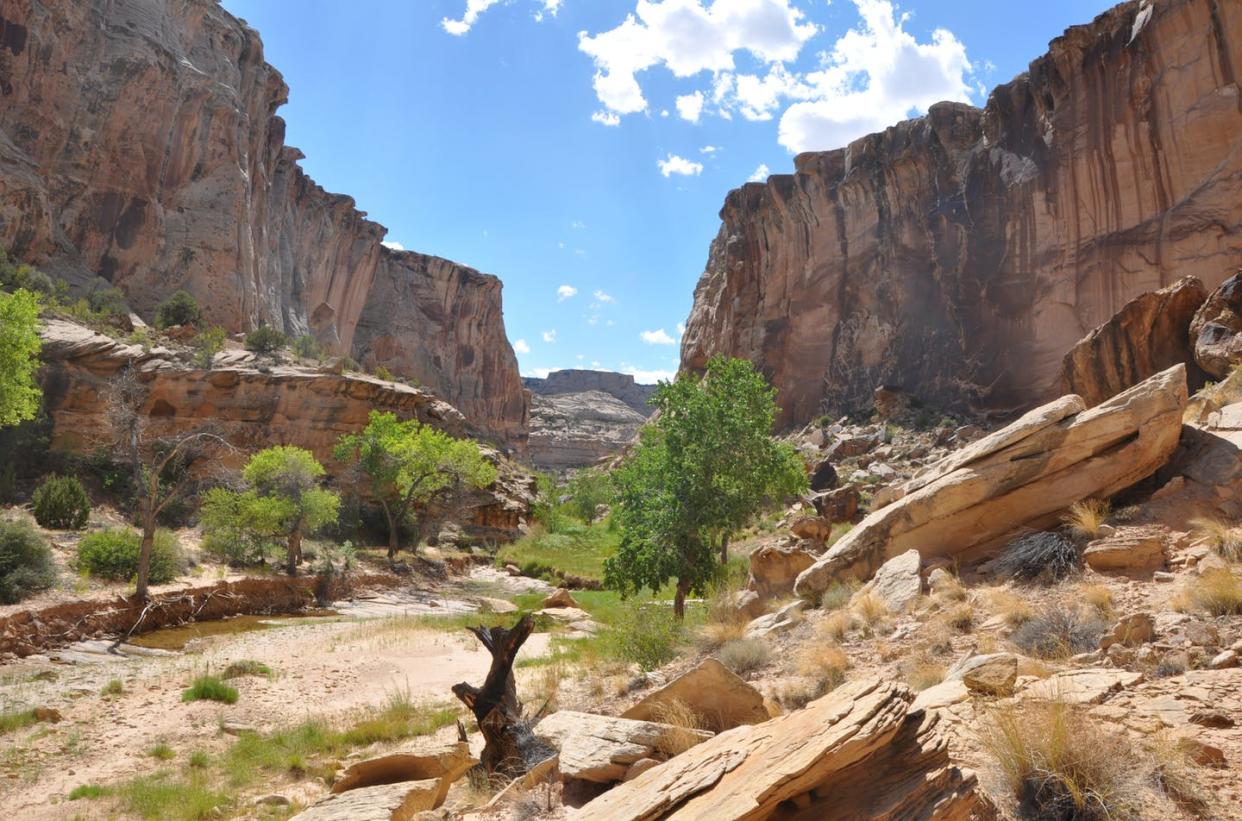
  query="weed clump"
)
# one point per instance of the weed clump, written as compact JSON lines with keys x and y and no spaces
{"x":744,"y":655}
{"x":647,"y":636}
{"x":210,"y":688}
{"x":1044,"y":556}
{"x":1087,"y":517}
{"x":246,"y":667}
{"x":1224,"y":538}
{"x":1058,"y":632}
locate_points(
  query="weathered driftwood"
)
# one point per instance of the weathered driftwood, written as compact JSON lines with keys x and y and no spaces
{"x":511,"y":748}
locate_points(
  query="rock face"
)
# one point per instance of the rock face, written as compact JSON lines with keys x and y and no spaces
{"x":139,"y":142}
{"x":718,"y":697}
{"x":574,"y":430}
{"x":1023,"y":475}
{"x":1151,"y":333}
{"x":859,"y":752}
{"x":602,"y":748}
{"x":959,"y":256}
{"x":620,"y":385}
{"x":1216,"y":331}
{"x":252,"y":405}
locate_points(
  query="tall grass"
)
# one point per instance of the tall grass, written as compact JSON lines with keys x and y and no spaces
{"x":1224,"y":538}
{"x":1088,"y":516}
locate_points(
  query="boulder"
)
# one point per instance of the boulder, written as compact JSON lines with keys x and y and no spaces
{"x":446,"y":763}
{"x":1087,"y":686}
{"x":1130,"y":631}
{"x":560,"y":598}
{"x":389,"y":802}
{"x":890,"y":402}
{"x":775,"y":566}
{"x":858,"y":752}
{"x":823,"y":476}
{"x":840,"y":505}
{"x":781,"y":620}
{"x":1140,"y":549}
{"x":1216,"y":330}
{"x":993,"y":674}
{"x":601,"y":749}
{"x":715,"y":694}
{"x":814,"y":528}
{"x":1024,"y":475}
{"x":1149,"y":334}
{"x":898,"y":581}
{"x":749,"y":603}
{"x":1224,"y":660}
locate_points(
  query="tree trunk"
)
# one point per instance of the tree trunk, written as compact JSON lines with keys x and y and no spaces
{"x":294,"y":557}
{"x":724,"y":549}
{"x":393,"y":544}
{"x":144,"y":554}
{"x":679,"y":600}
{"x":510,"y":747}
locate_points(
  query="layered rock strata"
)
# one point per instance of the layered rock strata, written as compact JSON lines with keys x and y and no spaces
{"x":960,"y":255}
{"x":574,"y":430}
{"x":139,"y":142}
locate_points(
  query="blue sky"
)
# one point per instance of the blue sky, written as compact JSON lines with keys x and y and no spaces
{"x":581,"y":149}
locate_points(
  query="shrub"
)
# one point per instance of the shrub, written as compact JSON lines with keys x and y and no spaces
{"x":61,"y":503}
{"x":113,"y":554}
{"x":1059,"y":632}
{"x":1097,"y":596}
{"x":961,"y":618}
{"x":588,"y":491}
{"x":837,"y":625}
{"x":744,"y":655}
{"x":922,"y":672}
{"x":206,"y":345}
{"x":1087,"y":517}
{"x":179,"y":309}
{"x":648,"y":637}
{"x":265,"y":340}
{"x":1042,"y":556}
{"x":210,"y":688}
{"x":1015,"y":610}
{"x":307,"y":347}
{"x":247,"y":667}
{"x":87,"y":791}
{"x":836,"y":596}
{"x":871,"y":609}
{"x":26,"y":564}
{"x":113,"y":688}
{"x":825,"y":664}
{"x":162,"y":752}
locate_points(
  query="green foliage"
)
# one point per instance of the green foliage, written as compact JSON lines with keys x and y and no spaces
{"x":18,"y":275}
{"x":87,"y":791}
{"x":24,"y":453}
{"x":19,"y":356}
{"x":113,"y":554}
{"x":61,"y":503}
{"x":179,"y":309}
{"x":265,"y":340}
{"x":210,"y":688}
{"x":577,"y":550}
{"x":114,"y":687}
{"x":13,"y":720}
{"x":247,"y":667}
{"x":700,"y":471}
{"x":647,"y":636}
{"x":162,"y":752}
{"x":383,"y":373}
{"x":282,"y":500}
{"x":26,"y":564}
{"x":410,"y":464}
{"x":307,"y":347}
{"x":589,"y":490}
{"x":206,"y":344}
{"x":161,"y":797}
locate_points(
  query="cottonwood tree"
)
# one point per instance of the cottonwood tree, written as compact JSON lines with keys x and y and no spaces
{"x":410,"y":465}
{"x":161,"y":466}
{"x":19,"y":356}
{"x":700,"y":471}
{"x":282,"y":499}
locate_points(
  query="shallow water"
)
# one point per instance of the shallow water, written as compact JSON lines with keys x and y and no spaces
{"x":176,"y":638}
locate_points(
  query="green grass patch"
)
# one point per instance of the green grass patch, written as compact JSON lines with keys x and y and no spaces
{"x":199,"y":760}
{"x":162,"y":752}
{"x":164,"y":796}
{"x":12,"y":720}
{"x":113,"y":688}
{"x":247,"y":667}
{"x":576,"y":549}
{"x":210,"y":688}
{"x":88,"y":791}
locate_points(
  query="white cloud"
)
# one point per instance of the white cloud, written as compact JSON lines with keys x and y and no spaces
{"x":393,"y":246}
{"x":520,"y":346}
{"x":687,"y":37}
{"x":657,"y":337}
{"x":550,"y":8}
{"x":761,"y":173}
{"x":577,"y":225}
{"x":474,"y":8}
{"x":648,"y":377}
{"x":681,"y":328}
{"x":565,"y":292}
{"x":549,"y":336}
{"x":606,"y":118}
{"x":709,"y":149}
{"x":690,"y":106}
{"x":600,"y":296}
{"x":540,"y":373}
{"x":679,"y":165}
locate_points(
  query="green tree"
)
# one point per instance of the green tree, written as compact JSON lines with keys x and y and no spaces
{"x":410,"y":465}
{"x":700,"y":471}
{"x":19,"y":356}
{"x":588,"y":490}
{"x":283,"y":499}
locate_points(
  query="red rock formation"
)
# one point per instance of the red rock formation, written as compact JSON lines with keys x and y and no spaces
{"x":138,"y":141}
{"x":960,"y":255}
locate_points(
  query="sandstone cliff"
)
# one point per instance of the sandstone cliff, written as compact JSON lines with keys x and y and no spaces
{"x":578,"y":417}
{"x":959,"y":256}
{"x":138,"y":141}
{"x":620,"y":385}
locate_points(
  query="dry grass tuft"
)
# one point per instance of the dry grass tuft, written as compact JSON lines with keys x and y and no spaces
{"x":1224,"y":538}
{"x":960,"y":618}
{"x":1014,"y":609}
{"x":1216,"y":591}
{"x":824,"y":664}
{"x":1088,"y":516}
{"x":744,"y":655}
{"x":1097,"y":596}
{"x":719,"y":633}
{"x":837,"y":596}
{"x":951,"y":590}
{"x":837,"y":626}
{"x":1059,"y":632}
{"x":1056,"y":762}
{"x":678,"y":715}
{"x":870,"y":609}
{"x":922,"y":671}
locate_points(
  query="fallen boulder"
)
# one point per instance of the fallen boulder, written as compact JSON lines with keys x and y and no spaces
{"x":1024,"y":475}
{"x":775,"y":566}
{"x":390,"y":802}
{"x":1216,"y":330}
{"x":898,"y":581}
{"x":781,"y":620}
{"x":718,"y":697}
{"x":1130,"y":631}
{"x":446,"y":763}
{"x":840,"y":505}
{"x":601,"y":749}
{"x":560,"y":598}
{"x":993,"y":674}
{"x":1129,"y":550}
{"x":858,"y":752}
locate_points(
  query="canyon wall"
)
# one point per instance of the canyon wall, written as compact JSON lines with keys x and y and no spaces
{"x":139,"y":142}
{"x":960,"y":255}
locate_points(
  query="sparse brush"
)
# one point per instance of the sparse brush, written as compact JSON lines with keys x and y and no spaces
{"x":794,"y":695}
{"x":1216,"y":591}
{"x":1014,"y":609}
{"x":950,"y":590}
{"x":1058,"y":632}
{"x":824,"y":664}
{"x":1057,"y":762}
{"x":678,"y":715}
{"x":717,"y":634}
{"x":870,"y":609}
{"x":210,"y":688}
{"x":113,"y":688}
{"x":1224,"y":538}
{"x":836,"y":596}
{"x":960,"y":618}
{"x":837,"y":626}
{"x":744,"y":655}
{"x":922,"y":672}
{"x":543,"y":690}
{"x":247,"y":667}
{"x":1088,"y":516}
{"x":1097,"y":596}
{"x":162,"y":752}
{"x":1042,"y":556}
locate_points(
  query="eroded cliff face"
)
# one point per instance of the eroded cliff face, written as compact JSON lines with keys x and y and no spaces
{"x":959,"y":256}
{"x":138,"y":141}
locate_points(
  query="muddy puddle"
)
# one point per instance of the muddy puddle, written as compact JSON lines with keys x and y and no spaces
{"x":178,"y":638}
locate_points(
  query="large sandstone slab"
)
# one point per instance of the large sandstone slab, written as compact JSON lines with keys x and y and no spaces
{"x":774,"y":566}
{"x":859,"y":752}
{"x":602,"y":748}
{"x":715,"y":694}
{"x":1024,"y":475}
{"x":446,"y":764}
{"x":389,"y":802}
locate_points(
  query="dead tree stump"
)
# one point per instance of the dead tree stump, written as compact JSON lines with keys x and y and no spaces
{"x":511,"y":749}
